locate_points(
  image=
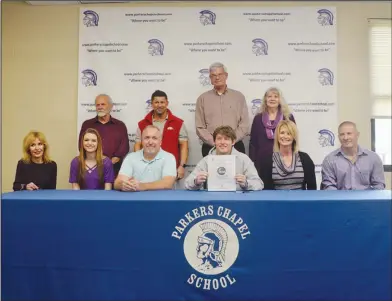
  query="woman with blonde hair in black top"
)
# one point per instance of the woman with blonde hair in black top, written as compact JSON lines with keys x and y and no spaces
{"x":288,"y":168}
{"x":35,"y":170}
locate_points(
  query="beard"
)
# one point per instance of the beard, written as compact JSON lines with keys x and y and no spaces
{"x":102,"y":114}
{"x":149,"y":150}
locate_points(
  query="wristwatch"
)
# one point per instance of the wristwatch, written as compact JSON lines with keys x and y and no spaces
{"x":183,"y":165}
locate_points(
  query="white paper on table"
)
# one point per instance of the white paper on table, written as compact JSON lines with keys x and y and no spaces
{"x":221,"y":173}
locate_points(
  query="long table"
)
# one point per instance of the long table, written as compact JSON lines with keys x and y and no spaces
{"x":185,"y":245}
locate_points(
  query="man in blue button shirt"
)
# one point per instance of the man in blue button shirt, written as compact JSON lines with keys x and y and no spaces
{"x":352,"y":167}
{"x":150,"y":168}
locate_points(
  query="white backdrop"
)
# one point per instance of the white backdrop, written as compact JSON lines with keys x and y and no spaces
{"x":128,"y":53}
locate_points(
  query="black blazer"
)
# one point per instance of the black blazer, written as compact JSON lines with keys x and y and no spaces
{"x":309,"y":182}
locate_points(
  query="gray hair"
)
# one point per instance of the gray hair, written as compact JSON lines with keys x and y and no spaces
{"x":150,"y":126}
{"x":348,"y":123}
{"x":282,"y":102}
{"x":217,"y":65}
{"x":107,"y":96}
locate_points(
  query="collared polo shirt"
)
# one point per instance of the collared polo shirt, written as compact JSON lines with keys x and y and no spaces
{"x":135,"y":165}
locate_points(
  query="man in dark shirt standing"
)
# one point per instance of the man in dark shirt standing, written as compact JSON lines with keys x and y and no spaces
{"x":113,"y":132}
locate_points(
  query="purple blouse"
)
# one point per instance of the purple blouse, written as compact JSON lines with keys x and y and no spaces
{"x":91,"y":177}
{"x":260,"y":147}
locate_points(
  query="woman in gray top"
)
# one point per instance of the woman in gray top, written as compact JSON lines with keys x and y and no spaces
{"x":288,"y":168}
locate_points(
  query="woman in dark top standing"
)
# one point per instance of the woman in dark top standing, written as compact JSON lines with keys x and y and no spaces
{"x":35,"y":170}
{"x":288,"y":168}
{"x":273,"y":109}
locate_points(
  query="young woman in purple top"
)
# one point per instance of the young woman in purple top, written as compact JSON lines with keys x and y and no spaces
{"x":91,"y":169}
{"x":272,"y":111}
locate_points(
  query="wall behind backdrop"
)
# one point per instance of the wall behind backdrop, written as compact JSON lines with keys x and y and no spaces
{"x":40,"y":74}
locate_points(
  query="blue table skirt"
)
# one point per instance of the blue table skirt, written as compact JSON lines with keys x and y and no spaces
{"x":266,"y":245}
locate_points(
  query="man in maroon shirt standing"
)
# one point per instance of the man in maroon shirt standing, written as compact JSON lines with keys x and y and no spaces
{"x":113,"y":132}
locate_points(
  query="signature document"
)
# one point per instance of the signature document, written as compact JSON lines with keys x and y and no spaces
{"x":221,"y":173}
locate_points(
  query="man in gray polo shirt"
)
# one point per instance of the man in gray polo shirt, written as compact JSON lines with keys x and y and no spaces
{"x":221,"y":106}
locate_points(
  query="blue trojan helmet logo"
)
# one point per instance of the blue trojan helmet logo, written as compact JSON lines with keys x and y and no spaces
{"x":325,"y":17}
{"x":326,"y":138}
{"x":156,"y":47}
{"x":90,"y":19}
{"x":89,"y":78}
{"x":260,"y":47}
{"x":207,"y":17}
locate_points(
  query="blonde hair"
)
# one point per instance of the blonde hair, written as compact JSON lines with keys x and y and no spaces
{"x":293,"y":131}
{"x":98,"y":157}
{"x":282,"y":103}
{"x":28,"y":140}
